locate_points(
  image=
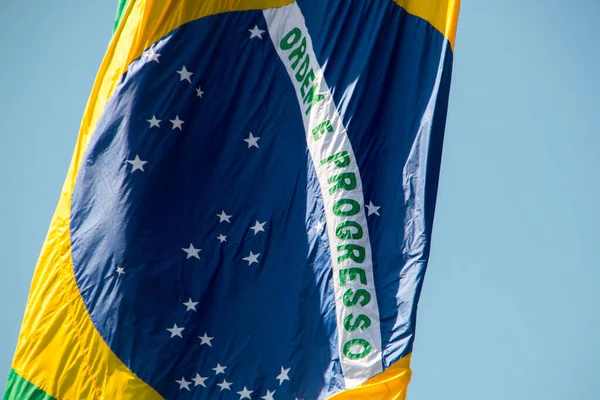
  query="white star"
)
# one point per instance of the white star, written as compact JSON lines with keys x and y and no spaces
{"x":185,"y":74}
{"x":154,"y":122}
{"x":252,"y":141}
{"x":152,"y":56}
{"x":255,"y":32}
{"x":219,"y":369}
{"x":120,"y":270}
{"x":176,"y":331}
{"x":137,"y":164}
{"x":222,"y":238}
{"x":283,"y":376}
{"x":207,"y":340}
{"x":245,"y":393}
{"x":191,"y":305}
{"x":225,"y":385}
{"x":177,"y":123}
{"x":192,"y":252}
{"x":259,"y":227}
{"x":319,"y":226}
{"x":373,"y":209}
{"x":183,"y":384}
{"x":223,"y":217}
{"x":199,"y":380}
{"x":269,"y":395}
{"x":252,"y":258}
{"x":199,"y":92}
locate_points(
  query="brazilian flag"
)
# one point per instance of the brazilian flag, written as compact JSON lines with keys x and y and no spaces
{"x":249,"y":207}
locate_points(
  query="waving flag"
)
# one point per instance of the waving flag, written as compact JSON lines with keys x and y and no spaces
{"x":249,"y":208}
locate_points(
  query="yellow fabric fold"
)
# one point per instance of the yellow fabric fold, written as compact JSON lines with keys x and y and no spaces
{"x":391,"y":384}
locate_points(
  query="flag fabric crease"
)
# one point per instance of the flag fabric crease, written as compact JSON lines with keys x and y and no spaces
{"x":249,"y":206}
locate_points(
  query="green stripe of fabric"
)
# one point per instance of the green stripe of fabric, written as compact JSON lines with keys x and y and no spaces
{"x":120,"y":8}
{"x":18,"y":388}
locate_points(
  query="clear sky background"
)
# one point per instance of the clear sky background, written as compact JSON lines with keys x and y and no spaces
{"x":510,"y":303}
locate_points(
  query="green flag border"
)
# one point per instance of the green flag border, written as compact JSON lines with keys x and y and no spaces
{"x":120,"y":9}
{"x":19,"y":388}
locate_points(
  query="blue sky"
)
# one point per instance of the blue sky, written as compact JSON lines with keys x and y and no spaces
{"x":509,"y":306}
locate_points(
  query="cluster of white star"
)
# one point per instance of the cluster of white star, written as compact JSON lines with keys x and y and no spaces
{"x":137,"y":164}
{"x":192,"y":252}
{"x":245,"y":393}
